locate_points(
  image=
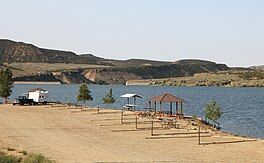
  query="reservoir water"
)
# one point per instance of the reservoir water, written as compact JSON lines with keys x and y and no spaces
{"x":243,"y":107}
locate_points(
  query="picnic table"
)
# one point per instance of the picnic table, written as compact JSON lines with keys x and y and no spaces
{"x":168,"y":123}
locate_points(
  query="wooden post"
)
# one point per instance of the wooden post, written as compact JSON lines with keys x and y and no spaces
{"x":136,"y":121}
{"x":155,"y":108}
{"x":122,"y":116}
{"x":98,"y":109}
{"x":199,"y":135}
{"x":152,"y":125}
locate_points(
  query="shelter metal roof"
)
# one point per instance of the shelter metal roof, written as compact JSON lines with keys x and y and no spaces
{"x":165,"y":98}
{"x":129,"y":95}
{"x":37,"y":90}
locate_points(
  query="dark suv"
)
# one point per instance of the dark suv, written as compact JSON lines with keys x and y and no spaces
{"x":23,"y":100}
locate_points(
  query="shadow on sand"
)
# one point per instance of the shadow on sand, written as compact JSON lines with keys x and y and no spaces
{"x":177,"y":137}
{"x":109,"y":119}
{"x":181,"y":133}
{"x":82,"y":111}
{"x":226,"y":142}
{"x":138,"y":129}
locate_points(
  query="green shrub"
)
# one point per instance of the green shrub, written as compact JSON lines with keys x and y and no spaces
{"x":213,"y":111}
{"x":37,"y":158}
{"x":109,"y":99}
{"x":8,"y":159}
{"x":33,"y":158}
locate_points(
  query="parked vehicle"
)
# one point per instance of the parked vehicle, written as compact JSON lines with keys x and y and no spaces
{"x":38,"y":95}
{"x":35,"y":96}
{"x":23,"y":100}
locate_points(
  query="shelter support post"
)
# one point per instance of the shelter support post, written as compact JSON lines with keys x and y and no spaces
{"x":134,"y":105}
{"x":177,"y":112}
{"x":181,"y":108}
{"x":170,"y":108}
{"x":149,"y":106}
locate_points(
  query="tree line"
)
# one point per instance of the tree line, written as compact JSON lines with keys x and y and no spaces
{"x":85,"y":95}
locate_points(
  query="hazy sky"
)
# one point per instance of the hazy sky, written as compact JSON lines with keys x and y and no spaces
{"x":225,"y":31}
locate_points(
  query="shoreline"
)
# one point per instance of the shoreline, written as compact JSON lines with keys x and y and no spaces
{"x":59,"y":83}
{"x":37,"y":82}
{"x":140,"y":83}
{"x":197,"y":119}
{"x":130,"y":83}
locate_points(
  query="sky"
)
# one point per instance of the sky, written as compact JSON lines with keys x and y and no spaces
{"x":224,"y":31}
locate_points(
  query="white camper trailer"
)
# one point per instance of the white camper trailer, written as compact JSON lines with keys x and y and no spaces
{"x":38,"y":95}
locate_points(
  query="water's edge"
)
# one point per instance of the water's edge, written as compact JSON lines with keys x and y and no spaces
{"x":243,"y":107}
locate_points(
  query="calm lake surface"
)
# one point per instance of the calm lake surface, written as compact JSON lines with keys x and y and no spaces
{"x":243,"y":107}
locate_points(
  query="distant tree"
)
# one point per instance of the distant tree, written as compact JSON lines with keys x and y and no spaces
{"x":84,"y":94}
{"x":213,"y":111}
{"x":6,"y":83}
{"x":101,"y":82}
{"x":109,"y":99}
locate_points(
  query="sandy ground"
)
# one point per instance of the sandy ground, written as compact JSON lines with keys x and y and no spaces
{"x":68,"y":135}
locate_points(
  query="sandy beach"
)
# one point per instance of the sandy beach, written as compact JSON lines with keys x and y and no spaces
{"x":72,"y":135}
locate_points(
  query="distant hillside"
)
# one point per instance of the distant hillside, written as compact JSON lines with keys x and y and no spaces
{"x":113,"y":75}
{"x":68,"y":67}
{"x":257,"y":67}
{"x":230,"y":78}
{"x":22,"y":52}
{"x":174,"y":70}
{"x":122,"y":74}
{"x":193,"y":62}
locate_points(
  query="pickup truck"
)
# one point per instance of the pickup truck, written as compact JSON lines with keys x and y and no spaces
{"x":23,"y":100}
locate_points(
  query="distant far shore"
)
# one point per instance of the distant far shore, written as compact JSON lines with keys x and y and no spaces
{"x":219,"y":79}
{"x":35,"y":82}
